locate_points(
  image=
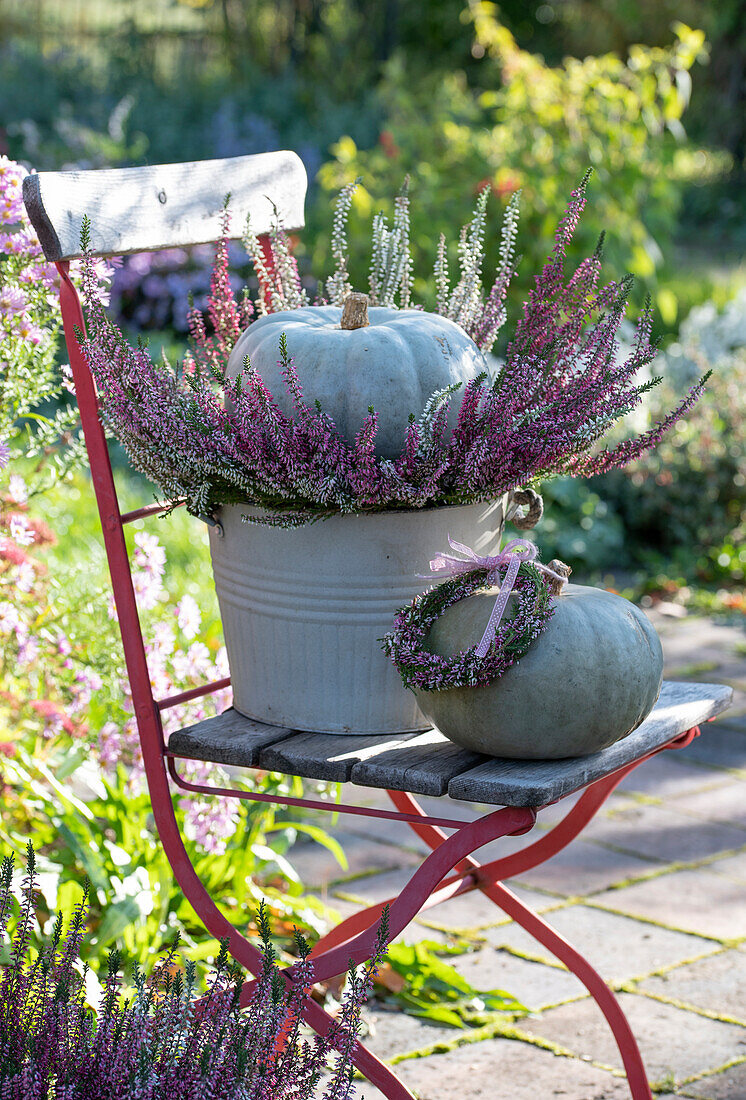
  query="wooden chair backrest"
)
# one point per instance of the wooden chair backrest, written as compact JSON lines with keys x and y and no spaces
{"x":163,"y":205}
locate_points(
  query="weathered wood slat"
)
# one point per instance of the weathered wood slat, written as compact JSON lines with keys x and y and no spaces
{"x":230,"y":738}
{"x":330,"y":756}
{"x":426,"y":763}
{"x":423,"y":765}
{"x":163,"y":205}
{"x":537,"y":782}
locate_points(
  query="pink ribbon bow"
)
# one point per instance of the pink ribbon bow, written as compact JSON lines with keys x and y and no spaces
{"x":510,"y":557}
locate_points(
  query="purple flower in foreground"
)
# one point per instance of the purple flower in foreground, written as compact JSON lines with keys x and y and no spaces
{"x":163,"y":1043}
{"x":4,"y":454}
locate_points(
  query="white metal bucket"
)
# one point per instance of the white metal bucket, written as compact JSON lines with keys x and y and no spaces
{"x":304,"y":609}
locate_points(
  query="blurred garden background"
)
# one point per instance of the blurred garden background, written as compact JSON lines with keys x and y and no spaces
{"x":525,"y":95}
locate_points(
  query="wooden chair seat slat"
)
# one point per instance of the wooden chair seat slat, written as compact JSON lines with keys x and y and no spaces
{"x":229,"y":738}
{"x":680,"y":707}
{"x":428,"y":764}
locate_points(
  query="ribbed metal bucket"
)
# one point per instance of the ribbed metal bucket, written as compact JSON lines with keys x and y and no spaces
{"x":303,"y":610}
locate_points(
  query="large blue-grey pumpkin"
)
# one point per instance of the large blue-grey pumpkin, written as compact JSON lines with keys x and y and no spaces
{"x":391,"y":359}
{"x":587,"y":681}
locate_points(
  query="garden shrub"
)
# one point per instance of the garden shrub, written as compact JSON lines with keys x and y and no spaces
{"x":536,"y":128}
{"x":684,"y":505}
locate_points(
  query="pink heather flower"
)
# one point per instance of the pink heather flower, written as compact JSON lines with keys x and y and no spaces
{"x":17,"y":489}
{"x":4,"y":454}
{"x":25,"y":576}
{"x":12,"y":300}
{"x":188,"y":616}
{"x":10,"y":620}
{"x":68,"y":382}
{"x":20,"y":531}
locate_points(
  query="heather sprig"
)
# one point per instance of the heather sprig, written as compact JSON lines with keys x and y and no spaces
{"x":561,"y":388}
{"x":165,"y":1043}
{"x":391,"y":259}
{"x":338,"y":285}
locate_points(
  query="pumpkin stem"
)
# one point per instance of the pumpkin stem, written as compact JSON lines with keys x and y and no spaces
{"x":557,"y":566}
{"x":355,"y":311}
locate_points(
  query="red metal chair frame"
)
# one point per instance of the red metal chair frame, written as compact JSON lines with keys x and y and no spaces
{"x":449,"y":871}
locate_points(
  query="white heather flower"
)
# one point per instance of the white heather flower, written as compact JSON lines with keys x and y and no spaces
{"x":188,"y":616}
{"x":17,"y":489}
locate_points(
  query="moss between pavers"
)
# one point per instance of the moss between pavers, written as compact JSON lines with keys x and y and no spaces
{"x":709,"y":1073}
{"x":722,"y":941}
{"x":665,"y":869}
{"x":503,"y":1029}
{"x":686,"y":1006}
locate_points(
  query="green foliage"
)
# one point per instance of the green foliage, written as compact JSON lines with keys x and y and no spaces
{"x":684,"y":507}
{"x":434,"y":990}
{"x":97,"y":822}
{"x":537,"y":128}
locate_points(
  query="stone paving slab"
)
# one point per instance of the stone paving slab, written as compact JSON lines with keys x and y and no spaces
{"x":716,"y":984}
{"x":732,"y":866}
{"x":317,"y":866}
{"x":668,"y":776}
{"x":729,"y":1085}
{"x":534,"y":984}
{"x":725,"y":802}
{"x":504,"y":1069}
{"x":470,"y":911}
{"x":696,"y":901}
{"x":618,"y":947}
{"x":585,"y":868}
{"x":671,"y":1040}
{"x":662,"y":834}
{"x":719,"y":746}
{"x":395,"y":1033}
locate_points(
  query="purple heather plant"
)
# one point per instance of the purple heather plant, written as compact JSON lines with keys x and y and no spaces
{"x":165,"y":1043}
{"x":207,"y":441}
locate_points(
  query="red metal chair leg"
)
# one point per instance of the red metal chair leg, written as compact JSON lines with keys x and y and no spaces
{"x":485,"y":877}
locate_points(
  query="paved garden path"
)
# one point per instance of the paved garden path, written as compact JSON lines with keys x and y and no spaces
{"x":654,"y":893}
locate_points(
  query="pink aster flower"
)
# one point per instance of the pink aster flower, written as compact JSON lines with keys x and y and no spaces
{"x":27,"y":330}
{"x":20,"y":531}
{"x":12,"y":300}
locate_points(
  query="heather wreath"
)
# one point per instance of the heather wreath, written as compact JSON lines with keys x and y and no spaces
{"x":207,"y":440}
{"x":428,"y":671}
{"x":165,"y":1043}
